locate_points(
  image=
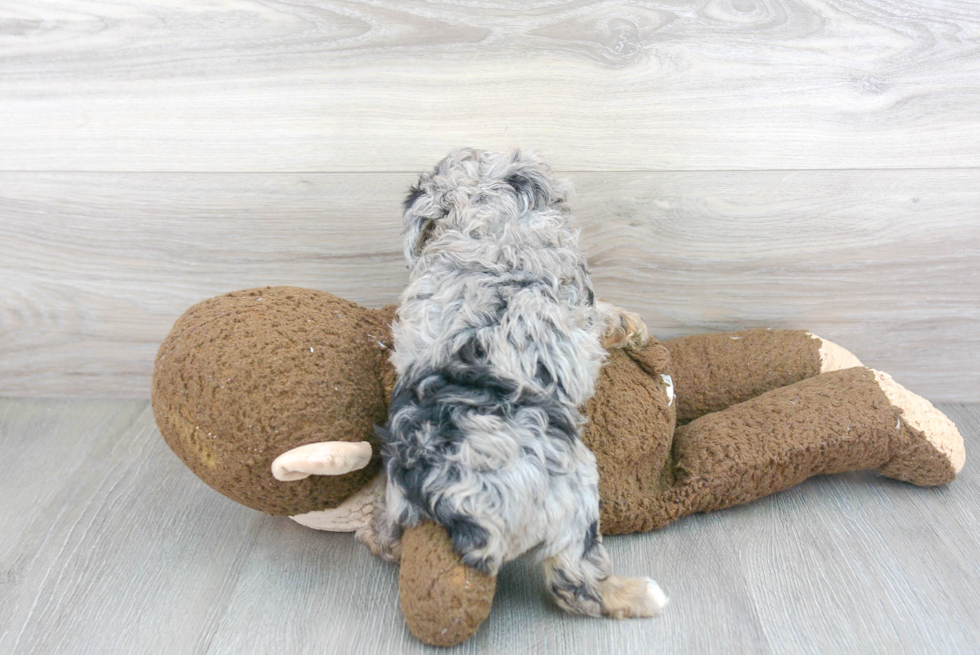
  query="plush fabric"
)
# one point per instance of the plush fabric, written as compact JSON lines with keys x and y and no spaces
{"x":247,"y":376}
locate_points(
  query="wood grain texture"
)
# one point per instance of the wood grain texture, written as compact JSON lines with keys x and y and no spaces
{"x":391,"y":85}
{"x":118,"y":548}
{"x":104,"y":563}
{"x":97,"y":267}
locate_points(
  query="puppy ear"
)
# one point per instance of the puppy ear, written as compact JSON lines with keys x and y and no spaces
{"x":418,"y":222}
{"x":414,"y":192}
{"x":534,"y":183}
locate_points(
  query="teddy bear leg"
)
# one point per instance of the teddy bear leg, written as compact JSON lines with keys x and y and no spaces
{"x":443,"y":600}
{"x":714,"y":371}
{"x":846,"y":420}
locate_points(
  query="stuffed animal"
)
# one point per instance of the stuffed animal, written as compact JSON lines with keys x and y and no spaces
{"x":271,"y":397}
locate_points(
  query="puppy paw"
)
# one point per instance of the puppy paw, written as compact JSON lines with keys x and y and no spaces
{"x":391,"y":552}
{"x":624,"y":329}
{"x":624,"y":598}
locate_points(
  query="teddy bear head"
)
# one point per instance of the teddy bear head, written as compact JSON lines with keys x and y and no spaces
{"x":318,"y":360}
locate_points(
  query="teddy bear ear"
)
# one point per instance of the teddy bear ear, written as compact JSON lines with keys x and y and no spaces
{"x":321,"y":458}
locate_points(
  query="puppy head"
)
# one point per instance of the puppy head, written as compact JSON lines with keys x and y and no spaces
{"x":471,"y":188}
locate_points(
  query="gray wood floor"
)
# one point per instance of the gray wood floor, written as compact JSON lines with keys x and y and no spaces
{"x":109,"y":545}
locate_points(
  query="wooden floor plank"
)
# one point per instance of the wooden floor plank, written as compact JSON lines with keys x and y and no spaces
{"x":38,"y":456}
{"x":97,"y":267}
{"x":131,"y":555}
{"x":341,"y":598}
{"x":126,"y":551}
{"x":841,"y":565}
{"x":859,"y":563}
{"x":390,"y":85}
{"x":966,"y":515}
{"x":45,"y":445}
{"x":301,"y":592}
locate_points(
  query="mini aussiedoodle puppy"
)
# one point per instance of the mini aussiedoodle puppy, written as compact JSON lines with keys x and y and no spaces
{"x":498,"y":342}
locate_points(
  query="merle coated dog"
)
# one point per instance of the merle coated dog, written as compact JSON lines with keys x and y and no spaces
{"x":498,"y":341}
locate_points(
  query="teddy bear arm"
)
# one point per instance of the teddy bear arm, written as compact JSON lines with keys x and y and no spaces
{"x":352,"y":515}
{"x":714,"y":371}
{"x":443,"y":600}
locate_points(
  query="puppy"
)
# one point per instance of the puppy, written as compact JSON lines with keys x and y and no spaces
{"x":498,"y":342}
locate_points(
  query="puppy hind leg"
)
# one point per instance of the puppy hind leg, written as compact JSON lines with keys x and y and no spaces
{"x":580,"y":581}
{"x":383,"y":533}
{"x":624,"y":598}
{"x":620,"y":328}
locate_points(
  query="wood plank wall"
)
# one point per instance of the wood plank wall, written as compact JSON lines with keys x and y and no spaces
{"x":808,"y":164}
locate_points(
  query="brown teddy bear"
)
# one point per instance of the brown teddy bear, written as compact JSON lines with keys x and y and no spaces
{"x":271,"y":397}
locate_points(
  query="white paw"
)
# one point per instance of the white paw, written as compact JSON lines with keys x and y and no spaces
{"x":656,"y":594}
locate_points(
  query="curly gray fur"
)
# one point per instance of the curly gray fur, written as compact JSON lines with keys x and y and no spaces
{"x":496,"y":345}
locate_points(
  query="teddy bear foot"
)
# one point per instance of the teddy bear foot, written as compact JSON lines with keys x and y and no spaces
{"x":930,"y":450}
{"x":834,"y":357}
